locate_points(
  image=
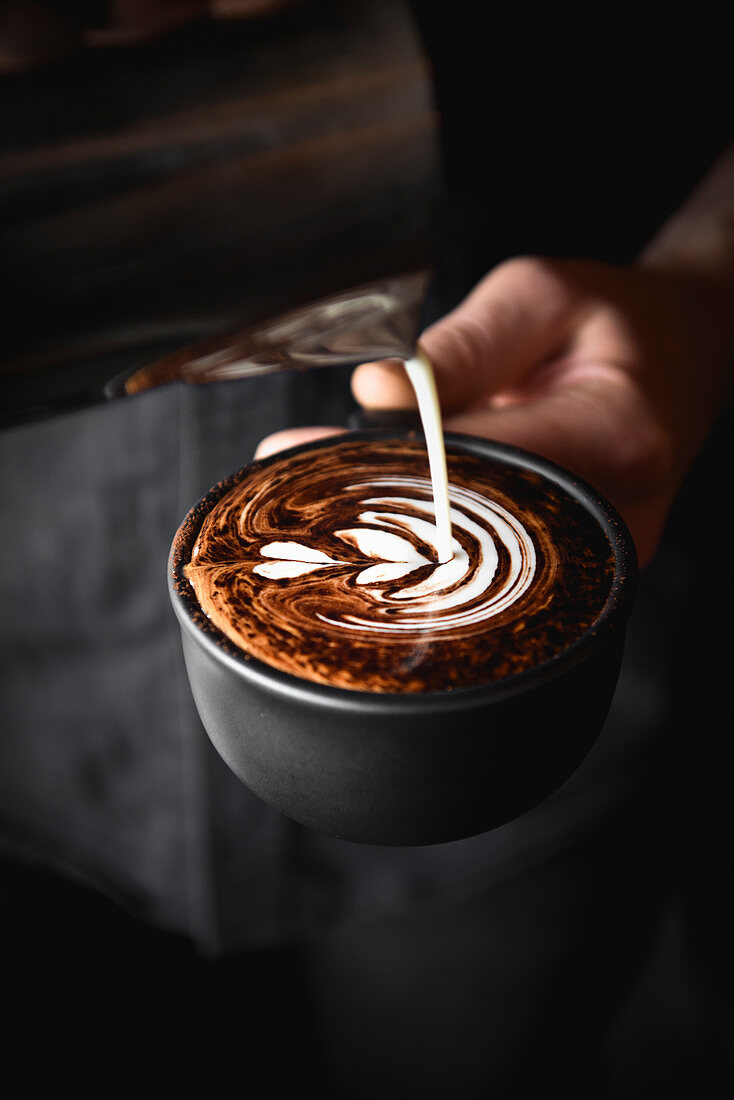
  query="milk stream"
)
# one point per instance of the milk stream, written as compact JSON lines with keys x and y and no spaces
{"x":420,"y":373}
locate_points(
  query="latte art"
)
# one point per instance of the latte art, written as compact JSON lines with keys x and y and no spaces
{"x":452,"y":594}
{"x":325,"y":564}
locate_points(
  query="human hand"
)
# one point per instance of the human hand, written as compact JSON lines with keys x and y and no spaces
{"x":615,"y":373}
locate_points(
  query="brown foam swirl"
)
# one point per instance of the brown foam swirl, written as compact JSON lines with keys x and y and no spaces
{"x":324,"y":564}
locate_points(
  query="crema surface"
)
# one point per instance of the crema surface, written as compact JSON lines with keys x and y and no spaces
{"x":324,"y":564}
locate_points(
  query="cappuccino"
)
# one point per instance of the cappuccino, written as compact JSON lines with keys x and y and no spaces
{"x":325,"y":562}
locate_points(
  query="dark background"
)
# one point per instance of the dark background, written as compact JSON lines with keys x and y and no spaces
{"x":154,"y":189}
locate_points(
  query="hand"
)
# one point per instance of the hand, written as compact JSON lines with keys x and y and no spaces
{"x":615,"y":373}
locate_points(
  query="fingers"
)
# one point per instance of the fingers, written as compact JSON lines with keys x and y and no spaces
{"x":383,"y":385}
{"x":292,"y":437}
{"x":520,"y":314}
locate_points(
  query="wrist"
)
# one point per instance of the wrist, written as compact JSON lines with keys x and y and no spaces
{"x":700,"y":297}
{"x":690,"y":375}
{"x":702,"y":258}
{"x":695,"y":247}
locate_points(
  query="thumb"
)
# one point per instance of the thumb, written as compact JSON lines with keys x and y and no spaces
{"x":520,"y":314}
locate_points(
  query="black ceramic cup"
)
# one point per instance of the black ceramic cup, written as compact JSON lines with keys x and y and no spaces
{"x":407,"y":769}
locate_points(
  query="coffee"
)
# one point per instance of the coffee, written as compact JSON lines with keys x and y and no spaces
{"x":323,"y":563}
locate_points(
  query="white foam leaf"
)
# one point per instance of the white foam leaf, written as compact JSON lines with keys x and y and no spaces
{"x":279,"y":570}
{"x":382,"y":545}
{"x":385,"y":571}
{"x":296,"y":551}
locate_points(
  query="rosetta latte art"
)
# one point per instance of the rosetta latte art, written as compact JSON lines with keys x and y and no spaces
{"x":455,"y":594}
{"x":324,"y":564}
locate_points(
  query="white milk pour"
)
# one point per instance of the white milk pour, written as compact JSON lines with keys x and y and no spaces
{"x":456,"y":594}
{"x":420,"y":373}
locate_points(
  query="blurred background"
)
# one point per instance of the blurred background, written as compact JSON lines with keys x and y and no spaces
{"x":171,"y":170}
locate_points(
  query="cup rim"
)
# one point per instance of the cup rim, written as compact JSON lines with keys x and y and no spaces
{"x":616,"y":609}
